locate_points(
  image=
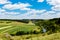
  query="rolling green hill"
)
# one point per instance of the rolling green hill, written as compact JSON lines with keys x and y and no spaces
{"x":29,"y":30}
{"x":12,"y":27}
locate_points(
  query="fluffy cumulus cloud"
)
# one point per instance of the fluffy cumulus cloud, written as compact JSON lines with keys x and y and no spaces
{"x":21,"y":6}
{"x":9,"y":6}
{"x":48,"y":15}
{"x":55,"y":8}
{"x":40,"y":0}
{"x":4,"y":1}
{"x":33,"y":14}
{"x":4,"y":12}
{"x":41,"y":14}
{"x":30,"y":12}
{"x":55,"y":3}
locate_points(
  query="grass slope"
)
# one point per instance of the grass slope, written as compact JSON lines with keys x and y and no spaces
{"x":55,"y":36}
{"x":12,"y":27}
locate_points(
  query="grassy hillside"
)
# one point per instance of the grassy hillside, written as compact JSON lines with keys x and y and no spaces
{"x":55,"y":36}
{"x":12,"y":27}
{"x":26,"y":30}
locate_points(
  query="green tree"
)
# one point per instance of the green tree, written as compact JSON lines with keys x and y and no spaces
{"x":47,"y":25}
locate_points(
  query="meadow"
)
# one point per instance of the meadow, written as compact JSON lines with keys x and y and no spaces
{"x":15,"y":30}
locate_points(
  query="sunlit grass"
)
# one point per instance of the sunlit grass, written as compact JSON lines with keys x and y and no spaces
{"x":16,"y":26}
{"x":55,"y":36}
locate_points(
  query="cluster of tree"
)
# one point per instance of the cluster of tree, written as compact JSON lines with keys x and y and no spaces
{"x":12,"y":20}
{"x":25,"y":33}
{"x":51,"y":26}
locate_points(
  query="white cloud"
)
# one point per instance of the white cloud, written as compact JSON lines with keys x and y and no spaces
{"x":31,"y":13}
{"x":40,"y":0}
{"x":58,"y":15}
{"x":55,"y":3}
{"x":48,"y":15}
{"x":11,"y":13}
{"x":21,"y":6}
{"x":43,"y":14}
{"x":4,"y":12}
{"x":4,"y":1}
{"x":55,"y":8}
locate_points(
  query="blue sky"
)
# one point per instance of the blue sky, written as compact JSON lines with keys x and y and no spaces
{"x":29,"y":9}
{"x":35,"y":4}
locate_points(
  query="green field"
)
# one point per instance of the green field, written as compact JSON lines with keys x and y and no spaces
{"x":12,"y":27}
{"x":55,"y":36}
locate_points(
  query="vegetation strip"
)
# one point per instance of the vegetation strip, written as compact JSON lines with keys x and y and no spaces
{"x":5,"y":27}
{"x":8,"y":30}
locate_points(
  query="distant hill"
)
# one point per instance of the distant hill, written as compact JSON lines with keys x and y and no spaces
{"x":33,"y":20}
